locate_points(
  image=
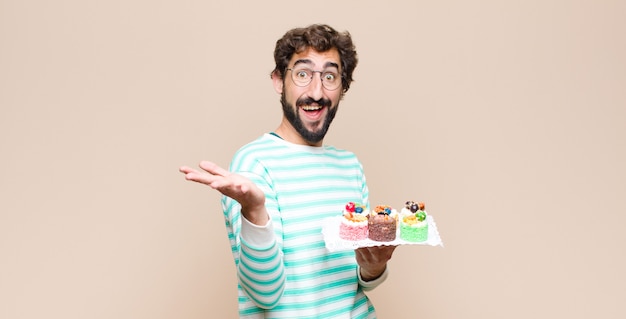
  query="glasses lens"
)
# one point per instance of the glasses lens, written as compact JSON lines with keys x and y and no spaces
{"x":331,"y":80}
{"x":302,"y":77}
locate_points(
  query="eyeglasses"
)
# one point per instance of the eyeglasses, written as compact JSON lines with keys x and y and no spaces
{"x":302,"y":77}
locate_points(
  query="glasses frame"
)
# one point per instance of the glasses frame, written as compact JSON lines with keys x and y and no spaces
{"x":311,"y":78}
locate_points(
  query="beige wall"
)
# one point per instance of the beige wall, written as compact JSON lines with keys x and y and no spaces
{"x":506,"y":117}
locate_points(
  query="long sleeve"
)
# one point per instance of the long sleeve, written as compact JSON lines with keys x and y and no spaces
{"x":370,"y":285}
{"x":261,"y":270}
{"x":256,"y":249}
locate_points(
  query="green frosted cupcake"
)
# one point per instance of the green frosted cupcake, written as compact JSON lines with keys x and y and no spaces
{"x":413,"y":223}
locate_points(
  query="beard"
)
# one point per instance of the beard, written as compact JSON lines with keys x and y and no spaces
{"x":294,"y":119}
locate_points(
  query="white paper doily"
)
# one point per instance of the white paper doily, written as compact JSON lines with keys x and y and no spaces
{"x":330,"y":230}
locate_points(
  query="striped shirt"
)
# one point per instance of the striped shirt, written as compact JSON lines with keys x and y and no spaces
{"x":283,"y":268}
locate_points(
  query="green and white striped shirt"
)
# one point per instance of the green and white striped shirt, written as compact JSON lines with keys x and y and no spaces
{"x":284,"y":269}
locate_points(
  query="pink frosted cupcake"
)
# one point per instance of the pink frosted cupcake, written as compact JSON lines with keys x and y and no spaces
{"x":353,"y":225}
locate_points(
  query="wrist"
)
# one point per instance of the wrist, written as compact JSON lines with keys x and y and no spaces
{"x":257,"y":215}
{"x":369,"y":285}
{"x":369,"y":274}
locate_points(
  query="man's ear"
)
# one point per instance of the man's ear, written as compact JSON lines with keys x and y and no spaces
{"x":278,"y":82}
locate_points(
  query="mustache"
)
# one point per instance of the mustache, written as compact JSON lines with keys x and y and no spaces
{"x":310,"y":101}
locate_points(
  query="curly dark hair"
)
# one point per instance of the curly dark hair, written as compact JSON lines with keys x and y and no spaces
{"x":321,"y":38}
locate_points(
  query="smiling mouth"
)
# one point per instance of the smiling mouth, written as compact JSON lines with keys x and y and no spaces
{"x":311,"y":107}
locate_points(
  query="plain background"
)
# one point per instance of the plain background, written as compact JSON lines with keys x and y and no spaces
{"x":505,"y":117}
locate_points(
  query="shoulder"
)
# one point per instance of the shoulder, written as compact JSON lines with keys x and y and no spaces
{"x":264,"y":143}
{"x":266,"y":146}
{"x":340,"y":153}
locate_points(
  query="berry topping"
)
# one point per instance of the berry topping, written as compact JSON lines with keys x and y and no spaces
{"x":382,"y":210}
{"x":414,"y":206}
{"x":358,"y":209}
{"x":421,"y":215}
{"x":350,"y":207}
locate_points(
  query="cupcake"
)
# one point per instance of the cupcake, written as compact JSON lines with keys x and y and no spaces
{"x":413,"y":223}
{"x":382,"y":223}
{"x":353,"y":225}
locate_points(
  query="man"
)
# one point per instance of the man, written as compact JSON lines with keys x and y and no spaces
{"x":283,"y":185}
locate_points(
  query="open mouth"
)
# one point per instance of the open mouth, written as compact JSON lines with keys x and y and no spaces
{"x":313,"y":112}
{"x":310,"y":108}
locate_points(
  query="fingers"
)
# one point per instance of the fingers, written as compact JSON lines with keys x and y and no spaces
{"x":186,"y":169}
{"x":230,"y":184}
{"x":195,"y":175}
{"x":376,"y":253}
{"x":189,"y":172}
{"x":213,"y":168}
{"x":217,"y":178}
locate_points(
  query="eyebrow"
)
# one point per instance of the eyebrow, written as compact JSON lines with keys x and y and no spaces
{"x":326,"y":65}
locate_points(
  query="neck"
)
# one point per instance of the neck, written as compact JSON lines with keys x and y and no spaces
{"x":289,"y":134}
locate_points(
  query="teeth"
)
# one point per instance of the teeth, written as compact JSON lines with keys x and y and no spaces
{"x":311,"y":107}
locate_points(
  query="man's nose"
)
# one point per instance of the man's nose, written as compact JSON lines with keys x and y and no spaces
{"x":316,"y":88}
